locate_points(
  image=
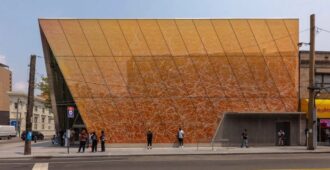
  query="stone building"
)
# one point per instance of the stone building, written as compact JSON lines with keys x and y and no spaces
{"x":322,"y":80}
{"x":42,"y":119}
{"x":5,"y":87}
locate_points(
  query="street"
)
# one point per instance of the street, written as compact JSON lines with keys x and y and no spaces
{"x":191,"y":162}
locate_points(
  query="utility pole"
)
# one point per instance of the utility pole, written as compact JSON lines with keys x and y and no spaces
{"x":28,"y":134}
{"x":312,"y":129}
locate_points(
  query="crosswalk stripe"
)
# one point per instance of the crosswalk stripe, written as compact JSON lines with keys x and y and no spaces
{"x":40,"y":166}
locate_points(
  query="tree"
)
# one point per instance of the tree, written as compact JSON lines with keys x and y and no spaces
{"x":44,"y":88}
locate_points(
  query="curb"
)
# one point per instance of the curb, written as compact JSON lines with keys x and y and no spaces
{"x":152,"y":154}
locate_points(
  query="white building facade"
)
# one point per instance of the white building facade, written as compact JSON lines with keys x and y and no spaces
{"x":42,"y":119}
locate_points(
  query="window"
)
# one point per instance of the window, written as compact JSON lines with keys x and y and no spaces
{"x":43,"y":110}
{"x":36,"y":108}
{"x":43,"y":126}
{"x":322,"y":80}
{"x":49,"y":119}
{"x":43,"y":119}
{"x":35,"y":123}
{"x":48,"y":127}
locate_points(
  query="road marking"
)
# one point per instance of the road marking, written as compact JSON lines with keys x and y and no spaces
{"x":40,"y":166}
{"x":303,"y":169}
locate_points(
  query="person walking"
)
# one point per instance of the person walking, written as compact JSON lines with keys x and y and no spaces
{"x":149,"y":139}
{"x":180,"y":137}
{"x":244,"y":139}
{"x":94,"y":142}
{"x":82,"y":140}
{"x":102,"y":139}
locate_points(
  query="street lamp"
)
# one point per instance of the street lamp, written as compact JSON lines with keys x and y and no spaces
{"x":18,"y":127}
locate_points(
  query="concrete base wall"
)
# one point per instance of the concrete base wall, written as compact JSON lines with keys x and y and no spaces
{"x":261,"y":129}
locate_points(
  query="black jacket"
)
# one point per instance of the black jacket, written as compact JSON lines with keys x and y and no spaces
{"x":149,"y":135}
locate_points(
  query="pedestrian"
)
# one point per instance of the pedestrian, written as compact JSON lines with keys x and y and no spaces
{"x":54,"y":140}
{"x":306,"y":136}
{"x":35,"y":138}
{"x":244,"y":139}
{"x":180,"y":136}
{"x":281,"y":135}
{"x":65,"y":139}
{"x":94,"y":142}
{"x":89,"y":140}
{"x":82,"y":140}
{"x":72,"y":136}
{"x":102,"y":139}
{"x":149,"y":139}
{"x":61,"y":137}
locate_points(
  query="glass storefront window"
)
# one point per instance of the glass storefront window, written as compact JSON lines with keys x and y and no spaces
{"x":324,"y":130}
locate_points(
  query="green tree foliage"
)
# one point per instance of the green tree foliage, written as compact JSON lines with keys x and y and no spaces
{"x":44,"y":88}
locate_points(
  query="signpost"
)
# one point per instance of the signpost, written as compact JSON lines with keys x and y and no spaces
{"x":70,"y":112}
{"x":70,"y":115}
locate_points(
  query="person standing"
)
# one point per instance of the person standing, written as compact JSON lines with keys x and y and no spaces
{"x":35,"y":138}
{"x":72,"y":136}
{"x":94,"y":142}
{"x":281,"y":136}
{"x":180,"y":137}
{"x":244,"y":139}
{"x":149,"y":139}
{"x":61,"y":137}
{"x":82,"y":140}
{"x":89,"y":140}
{"x":102,"y":139}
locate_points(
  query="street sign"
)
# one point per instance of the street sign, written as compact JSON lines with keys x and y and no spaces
{"x":70,"y":112}
{"x":13,"y":123}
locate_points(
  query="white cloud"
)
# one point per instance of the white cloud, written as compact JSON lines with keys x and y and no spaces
{"x":21,"y":86}
{"x":3,"y":59}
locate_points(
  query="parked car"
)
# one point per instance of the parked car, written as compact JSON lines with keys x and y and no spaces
{"x":35,"y":135}
{"x":7,"y":131}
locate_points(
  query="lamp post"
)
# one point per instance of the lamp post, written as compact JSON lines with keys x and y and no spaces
{"x":18,"y":123}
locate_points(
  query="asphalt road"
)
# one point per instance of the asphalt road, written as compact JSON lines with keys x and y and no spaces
{"x":187,"y":162}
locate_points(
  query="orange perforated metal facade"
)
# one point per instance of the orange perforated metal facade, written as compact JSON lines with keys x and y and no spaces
{"x":128,"y":75}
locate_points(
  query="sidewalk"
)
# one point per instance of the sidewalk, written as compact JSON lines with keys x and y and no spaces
{"x":45,"y":149}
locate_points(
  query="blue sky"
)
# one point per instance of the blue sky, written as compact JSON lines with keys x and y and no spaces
{"x":20,"y":36}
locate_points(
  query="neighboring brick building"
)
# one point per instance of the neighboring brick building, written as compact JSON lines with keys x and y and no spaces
{"x":5,"y":87}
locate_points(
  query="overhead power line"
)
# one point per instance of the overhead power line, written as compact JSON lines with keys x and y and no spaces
{"x":322,"y":29}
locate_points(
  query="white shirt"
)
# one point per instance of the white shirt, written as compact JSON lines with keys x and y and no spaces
{"x":181,"y":134}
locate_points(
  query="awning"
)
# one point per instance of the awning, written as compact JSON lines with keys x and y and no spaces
{"x":322,"y":107}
